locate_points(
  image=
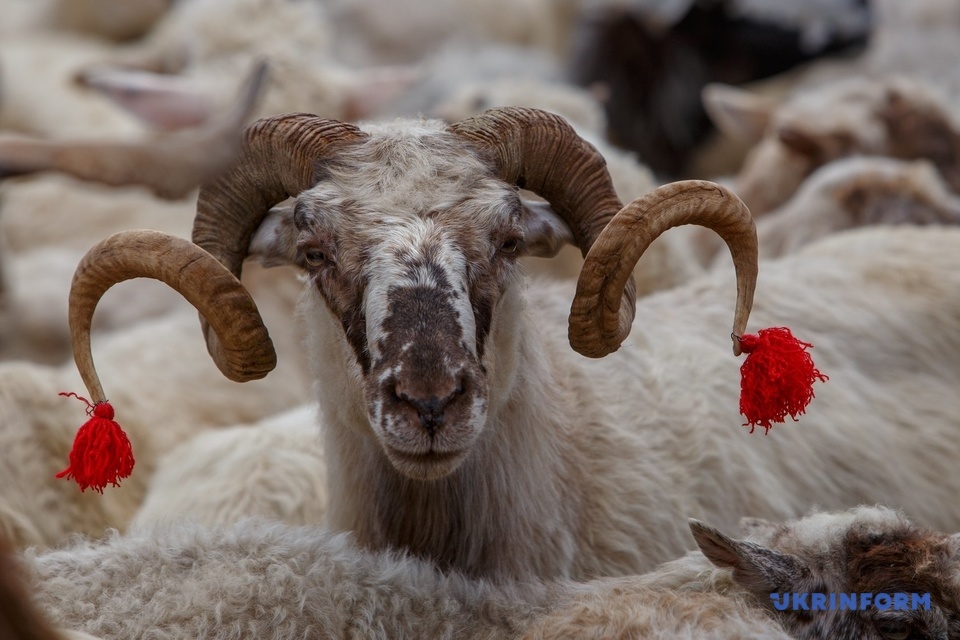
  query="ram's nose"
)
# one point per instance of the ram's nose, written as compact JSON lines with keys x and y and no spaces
{"x":430,"y":400}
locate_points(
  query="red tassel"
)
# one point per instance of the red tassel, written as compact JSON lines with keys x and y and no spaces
{"x":776,"y":378}
{"x":101,"y":453}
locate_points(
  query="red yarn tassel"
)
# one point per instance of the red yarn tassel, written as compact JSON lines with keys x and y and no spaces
{"x":776,"y":378}
{"x":101,"y":453}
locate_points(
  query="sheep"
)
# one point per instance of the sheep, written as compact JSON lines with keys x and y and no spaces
{"x":40,"y":96}
{"x":38,"y":426}
{"x":896,"y":117}
{"x":844,"y":194}
{"x":171,"y":166}
{"x":832,"y":109}
{"x":864,"y":550}
{"x":458,"y":427}
{"x":272,"y":469}
{"x":857,"y":191}
{"x":284,"y":582}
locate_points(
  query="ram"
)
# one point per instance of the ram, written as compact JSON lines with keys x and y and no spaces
{"x":457,"y":423}
{"x":286,"y":582}
{"x":895,"y":117}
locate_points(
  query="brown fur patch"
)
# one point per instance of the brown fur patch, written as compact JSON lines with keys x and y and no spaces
{"x":907,"y":560}
{"x":819,"y":148}
{"x":884,"y":200}
{"x":922,"y":130}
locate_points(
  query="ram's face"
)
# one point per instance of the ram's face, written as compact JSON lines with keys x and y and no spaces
{"x":412,"y":247}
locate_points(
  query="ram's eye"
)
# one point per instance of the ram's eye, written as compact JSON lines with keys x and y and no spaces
{"x":510,"y":247}
{"x":315,"y":257}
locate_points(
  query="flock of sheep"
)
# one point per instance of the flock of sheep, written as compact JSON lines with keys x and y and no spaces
{"x":483,"y":396}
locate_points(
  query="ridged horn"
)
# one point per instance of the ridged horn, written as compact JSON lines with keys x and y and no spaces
{"x":278,"y":158}
{"x":599,"y":323}
{"x":246,"y":349}
{"x":541,"y":152}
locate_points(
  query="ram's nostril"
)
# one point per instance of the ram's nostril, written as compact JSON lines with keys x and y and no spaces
{"x":430,"y":410}
{"x":433,"y":401}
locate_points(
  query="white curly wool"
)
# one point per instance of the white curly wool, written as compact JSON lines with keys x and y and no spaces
{"x":273,"y":582}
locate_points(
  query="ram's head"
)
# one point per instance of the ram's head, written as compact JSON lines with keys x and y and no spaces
{"x":409,"y":236}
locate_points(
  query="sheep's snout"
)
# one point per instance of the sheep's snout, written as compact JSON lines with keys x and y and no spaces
{"x":426,"y":423}
{"x":430,"y":403}
{"x":426,"y":389}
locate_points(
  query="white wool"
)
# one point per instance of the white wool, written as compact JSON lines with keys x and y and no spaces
{"x":273,"y":581}
{"x":271,"y":469}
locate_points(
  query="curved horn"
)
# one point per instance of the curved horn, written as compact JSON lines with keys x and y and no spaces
{"x":171,"y":166}
{"x":279,"y":157}
{"x":599,"y":319}
{"x":246,"y":352}
{"x":540,"y":151}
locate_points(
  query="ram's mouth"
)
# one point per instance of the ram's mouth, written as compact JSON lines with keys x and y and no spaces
{"x":428,"y":465}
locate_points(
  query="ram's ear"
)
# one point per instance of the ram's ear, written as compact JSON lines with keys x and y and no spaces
{"x":274,"y":244}
{"x":758,"y":569}
{"x":544,"y":232}
{"x":738,"y":114}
